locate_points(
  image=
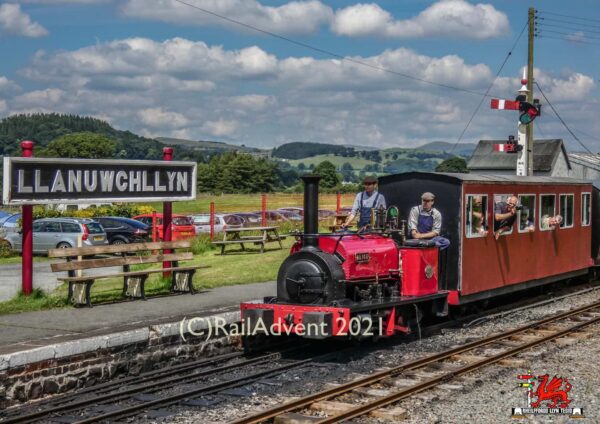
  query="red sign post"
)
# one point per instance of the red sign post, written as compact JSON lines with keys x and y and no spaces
{"x":167,"y":213}
{"x":27,"y":226}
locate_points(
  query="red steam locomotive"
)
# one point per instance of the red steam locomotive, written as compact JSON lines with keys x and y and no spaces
{"x":379,"y":284}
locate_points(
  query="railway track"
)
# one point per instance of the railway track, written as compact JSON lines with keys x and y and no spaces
{"x":124,"y":396}
{"x":373,"y":393}
{"x":134,"y":395}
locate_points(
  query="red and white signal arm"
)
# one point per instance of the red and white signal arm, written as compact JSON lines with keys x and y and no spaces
{"x":505,"y":104}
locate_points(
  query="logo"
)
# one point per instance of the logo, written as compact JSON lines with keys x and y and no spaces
{"x":362,"y":258}
{"x":546,"y":396}
{"x":428,"y":271}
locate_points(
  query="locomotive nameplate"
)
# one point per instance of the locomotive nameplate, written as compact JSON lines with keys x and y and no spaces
{"x":362,"y":258}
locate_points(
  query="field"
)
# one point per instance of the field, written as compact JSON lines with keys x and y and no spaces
{"x":250,"y":202}
{"x":338,"y":161}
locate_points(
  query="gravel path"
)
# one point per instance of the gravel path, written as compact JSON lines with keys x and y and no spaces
{"x":484,"y":397}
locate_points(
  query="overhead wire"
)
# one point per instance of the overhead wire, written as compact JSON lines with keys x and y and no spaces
{"x":508,"y":55}
{"x":561,"y":119}
{"x":330,"y":53}
{"x":570,"y":16}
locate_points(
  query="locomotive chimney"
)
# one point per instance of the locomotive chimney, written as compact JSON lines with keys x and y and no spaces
{"x":311,"y":211}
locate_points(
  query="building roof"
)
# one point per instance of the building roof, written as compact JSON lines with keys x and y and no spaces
{"x":589,"y":160}
{"x":545,"y":154}
{"x":480,"y":178}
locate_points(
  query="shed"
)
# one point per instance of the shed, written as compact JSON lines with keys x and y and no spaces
{"x":549,"y":159}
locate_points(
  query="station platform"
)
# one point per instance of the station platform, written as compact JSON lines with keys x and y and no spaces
{"x":44,"y":335}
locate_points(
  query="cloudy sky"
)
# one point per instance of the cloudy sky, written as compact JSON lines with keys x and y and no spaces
{"x":384,"y":73}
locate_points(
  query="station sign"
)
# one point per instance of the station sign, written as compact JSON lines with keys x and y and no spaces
{"x":30,"y":181}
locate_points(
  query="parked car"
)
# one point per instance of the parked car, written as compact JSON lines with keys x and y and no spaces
{"x":120,"y":230}
{"x":9,"y":224}
{"x":251,"y":219}
{"x":181,"y":226}
{"x":50,"y":233}
{"x":222,"y":222}
{"x":291,"y":216}
{"x":295,"y":209}
{"x":281,"y":216}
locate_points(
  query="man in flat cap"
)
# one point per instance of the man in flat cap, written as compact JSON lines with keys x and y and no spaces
{"x":425,"y":222}
{"x":364,"y":202}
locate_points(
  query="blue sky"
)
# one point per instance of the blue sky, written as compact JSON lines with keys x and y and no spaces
{"x":163,"y":68}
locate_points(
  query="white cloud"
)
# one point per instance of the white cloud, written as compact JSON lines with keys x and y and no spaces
{"x":446,"y":18}
{"x":188,"y":89}
{"x":7,"y":85}
{"x":221,"y":127}
{"x":66,"y":1}
{"x":572,"y":87}
{"x":159,"y":118}
{"x":14,"y":21}
{"x":296,"y":17}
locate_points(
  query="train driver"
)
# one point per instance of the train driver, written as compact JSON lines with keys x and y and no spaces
{"x":365,"y":201}
{"x":425,"y":222}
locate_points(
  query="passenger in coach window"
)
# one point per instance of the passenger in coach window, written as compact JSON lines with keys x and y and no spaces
{"x":526,"y":224}
{"x":550,"y":222}
{"x":477,"y":217}
{"x":425,"y":222}
{"x":365,"y":201}
{"x":505,"y":214}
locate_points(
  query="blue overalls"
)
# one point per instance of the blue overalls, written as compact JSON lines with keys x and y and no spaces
{"x":365,"y":211}
{"x":425,"y":225}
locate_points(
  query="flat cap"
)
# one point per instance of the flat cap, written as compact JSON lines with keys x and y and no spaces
{"x":369,"y":179}
{"x":427,"y":196}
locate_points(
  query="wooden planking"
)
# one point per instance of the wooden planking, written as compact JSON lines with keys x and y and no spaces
{"x":119,"y":261}
{"x":132,"y":273}
{"x":118,"y":248}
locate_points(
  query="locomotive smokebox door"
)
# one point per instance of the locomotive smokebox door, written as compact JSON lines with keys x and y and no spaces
{"x":419,"y":271}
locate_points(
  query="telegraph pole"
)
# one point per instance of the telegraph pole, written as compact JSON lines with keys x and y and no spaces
{"x":529,"y":130}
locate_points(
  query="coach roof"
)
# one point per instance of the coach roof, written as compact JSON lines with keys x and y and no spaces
{"x":479,"y":178}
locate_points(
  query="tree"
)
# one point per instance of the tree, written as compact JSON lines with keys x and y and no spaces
{"x":455,"y":164}
{"x":301,"y":166}
{"x":236,"y":173}
{"x":85,"y":145}
{"x":347,"y":171}
{"x":327,"y":171}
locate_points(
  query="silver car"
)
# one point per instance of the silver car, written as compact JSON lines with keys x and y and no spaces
{"x":50,"y":233}
{"x":222,"y":222}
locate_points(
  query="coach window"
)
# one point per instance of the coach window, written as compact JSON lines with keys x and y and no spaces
{"x":526,"y":213}
{"x":566,"y":210}
{"x":586,"y":210}
{"x":500,"y":201}
{"x":547,"y":211}
{"x":476,"y":215}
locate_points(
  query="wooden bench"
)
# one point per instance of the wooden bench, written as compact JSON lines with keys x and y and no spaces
{"x":233,"y":236}
{"x":79,"y":259}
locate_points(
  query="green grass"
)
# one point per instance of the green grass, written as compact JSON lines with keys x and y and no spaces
{"x":338,"y":161}
{"x":249,"y":202}
{"x":232,"y":268}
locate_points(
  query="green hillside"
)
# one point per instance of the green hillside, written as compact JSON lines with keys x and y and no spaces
{"x":338,"y":161}
{"x":209,"y":146}
{"x":42,"y":128}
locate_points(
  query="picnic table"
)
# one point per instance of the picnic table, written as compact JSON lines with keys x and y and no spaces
{"x":235,"y":236}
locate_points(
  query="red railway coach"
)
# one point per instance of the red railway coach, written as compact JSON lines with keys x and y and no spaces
{"x":476,"y":265}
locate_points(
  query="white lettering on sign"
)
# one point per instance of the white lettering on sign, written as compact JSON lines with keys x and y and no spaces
{"x":90,"y":180}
